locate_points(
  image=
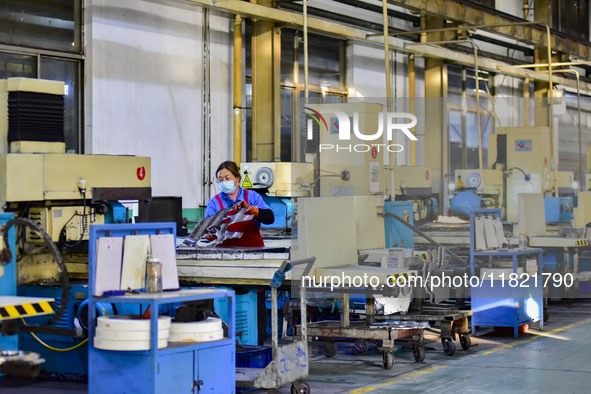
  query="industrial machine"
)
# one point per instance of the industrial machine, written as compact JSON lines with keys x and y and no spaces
{"x":279,"y":184}
{"x":354,"y":145}
{"x":520,"y":159}
{"x":547,"y":224}
{"x":56,"y":196}
{"x":63,"y":193}
{"x":413,"y":184}
{"x":345,"y":164}
{"x":524,"y":153}
{"x":476,"y":189}
{"x":13,"y":360}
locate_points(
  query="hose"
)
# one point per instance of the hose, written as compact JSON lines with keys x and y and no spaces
{"x":7,"y":257}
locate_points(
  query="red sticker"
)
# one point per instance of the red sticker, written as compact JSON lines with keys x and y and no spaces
{"x":545,"y":161}
{"x":140,"y":173}
{"x":427,"y":175}
{"x":374,"y":152}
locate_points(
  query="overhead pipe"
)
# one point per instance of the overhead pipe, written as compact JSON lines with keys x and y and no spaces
{"x":526,"y":102}
{"x":581,"y":169}
{"x":412,"y":92}
{"x":391,"y":155}
{"x":295,"y":139}
{"x":206,"y":124}
{"x":464,"y":112}
{"x":544,"y":65}
{"x":475,"y":54}
{"x":305,"y":31}
{"x":246,"y":9}
{"x":237,"y":129}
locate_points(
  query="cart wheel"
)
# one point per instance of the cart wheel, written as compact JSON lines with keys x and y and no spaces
{"x":361,"y":345}
{"x":465,"y":341}
{"x":449,"y":347}
{"x":546,"y":315}
{"x":330,"y":349}
{"x":388,"y":360}
{"x":418,"y":353}
{"x":300,"y":387}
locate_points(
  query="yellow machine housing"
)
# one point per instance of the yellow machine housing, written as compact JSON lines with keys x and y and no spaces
{"x":353,"y":167}
{"x":564,"y":182}
{"x":486,"y":183}
{"x":280,"y":179}
{"x":52,"y":176}
{"x":522,"y":150}
{"x":411,"y":180}
{"x":64,"y":193}
{"x":57,"y":219}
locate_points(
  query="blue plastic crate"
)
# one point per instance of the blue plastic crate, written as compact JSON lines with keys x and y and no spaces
{"x":254,"y":357}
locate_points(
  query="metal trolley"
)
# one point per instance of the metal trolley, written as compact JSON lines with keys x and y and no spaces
{"x":452,"y":321}
{"x":383,"y":333}
{"x":290,"y":361}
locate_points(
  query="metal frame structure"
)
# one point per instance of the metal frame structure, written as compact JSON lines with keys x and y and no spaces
{"x":290,"y":362}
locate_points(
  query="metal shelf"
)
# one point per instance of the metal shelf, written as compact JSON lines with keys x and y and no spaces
{"x":179,"y":367}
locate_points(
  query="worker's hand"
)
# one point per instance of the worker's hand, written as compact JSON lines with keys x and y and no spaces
{"x":251,"y":209}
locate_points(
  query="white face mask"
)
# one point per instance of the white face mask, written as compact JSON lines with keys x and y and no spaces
{"x":227,"y":187}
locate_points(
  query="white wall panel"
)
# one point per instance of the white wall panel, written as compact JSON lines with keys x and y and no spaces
{"x":144,"y":81}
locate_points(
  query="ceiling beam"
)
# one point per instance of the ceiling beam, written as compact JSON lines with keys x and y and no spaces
{"x":473,"y":14}
{"x":255,"y":11}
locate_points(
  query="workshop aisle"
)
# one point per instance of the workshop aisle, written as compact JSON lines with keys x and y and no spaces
{"x":553,"y":361}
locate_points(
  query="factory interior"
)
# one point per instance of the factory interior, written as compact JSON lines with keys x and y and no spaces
{"x":307,"y":196}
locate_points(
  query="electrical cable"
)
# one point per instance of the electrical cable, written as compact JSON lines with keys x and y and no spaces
{"x":63,"y":242}
{"x":525,"y":176}
{"x":55,"y":349}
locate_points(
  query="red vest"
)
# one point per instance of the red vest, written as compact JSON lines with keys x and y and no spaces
{"x":251,"y":236}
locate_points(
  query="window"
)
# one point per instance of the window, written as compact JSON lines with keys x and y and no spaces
{"x":53,"y":25}
{"x":325,"y":57}
{"x":571,"y":17}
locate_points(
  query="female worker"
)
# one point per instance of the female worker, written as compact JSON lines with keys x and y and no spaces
{"x":228,"y":178}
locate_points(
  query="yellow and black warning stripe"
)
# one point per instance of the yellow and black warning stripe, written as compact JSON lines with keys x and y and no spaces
{"x":423,"y":255}
{"x":582,"y":242}
{"x":25,"y":310}
{"x":405,"y":275}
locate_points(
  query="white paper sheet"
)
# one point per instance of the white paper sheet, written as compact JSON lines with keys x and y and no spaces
{"x":135,"y":252}
{"x":163,"y":247}
{"x":500,"y":232}
{"x":109,"y":254}
{"x":479,"y":238}
{"x":491,"y":234}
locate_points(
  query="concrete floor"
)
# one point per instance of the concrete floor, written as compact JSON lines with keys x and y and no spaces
{"x":553,"y":361}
